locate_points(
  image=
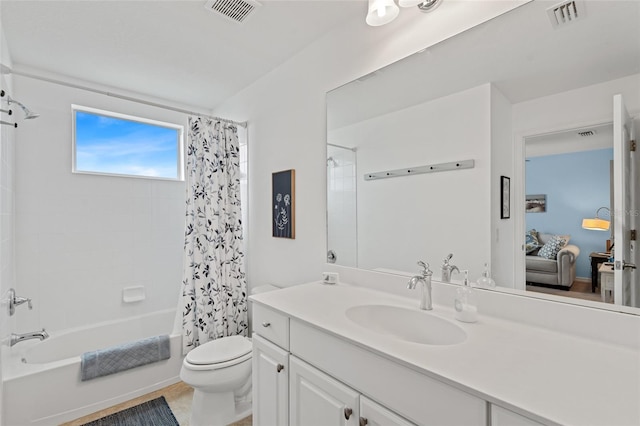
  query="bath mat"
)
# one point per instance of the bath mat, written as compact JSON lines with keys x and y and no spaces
{"x":151,"y":413}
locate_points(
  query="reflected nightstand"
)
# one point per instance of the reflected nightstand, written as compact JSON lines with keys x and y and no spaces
{"x":596,"y":260}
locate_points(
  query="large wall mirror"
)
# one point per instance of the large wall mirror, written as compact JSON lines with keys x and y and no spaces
{"x":416,"y":152}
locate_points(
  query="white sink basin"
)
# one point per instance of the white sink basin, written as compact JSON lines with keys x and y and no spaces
{"x":412,"y":325}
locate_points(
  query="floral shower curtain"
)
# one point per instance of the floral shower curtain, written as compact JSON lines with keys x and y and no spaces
{"x":214,"y":290}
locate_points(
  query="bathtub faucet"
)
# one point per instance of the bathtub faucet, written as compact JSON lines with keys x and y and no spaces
{"x":17,"y":338}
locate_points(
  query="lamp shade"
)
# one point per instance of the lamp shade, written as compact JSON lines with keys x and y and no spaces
{"x":381,"y":12}
{"x":595,"y":224}
{"x":409,"y":3}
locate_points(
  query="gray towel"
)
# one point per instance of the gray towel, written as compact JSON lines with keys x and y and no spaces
{"x":123,"y":357}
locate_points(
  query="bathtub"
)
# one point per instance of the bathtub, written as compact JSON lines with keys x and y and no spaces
{"x":42,"y":379}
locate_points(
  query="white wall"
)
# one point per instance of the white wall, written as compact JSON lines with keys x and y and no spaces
{"x":80,"y":239}
{"x":424,"y":217}
{"x":287,"y":125}
{"x":7,"y":143}
{"x":502,"y":230}
{"x":574,"y":108}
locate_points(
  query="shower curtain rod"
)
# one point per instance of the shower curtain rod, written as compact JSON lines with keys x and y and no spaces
{"x":128,"y":98}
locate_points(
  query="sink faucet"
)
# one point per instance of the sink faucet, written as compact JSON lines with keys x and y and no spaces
{"x":425,"y":279}
{"x":447,"y":269}
{"x":17,"y":338}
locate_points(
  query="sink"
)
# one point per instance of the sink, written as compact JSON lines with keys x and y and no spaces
{"x":411,"y":325}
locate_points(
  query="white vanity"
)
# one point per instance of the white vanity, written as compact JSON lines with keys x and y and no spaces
{"x":314,"y":365}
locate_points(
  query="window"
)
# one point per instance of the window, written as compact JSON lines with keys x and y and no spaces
{"x":117,"y":144}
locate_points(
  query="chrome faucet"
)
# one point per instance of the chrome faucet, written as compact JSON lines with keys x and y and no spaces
{"x":17,"y":338}
{"x":425,"y":279}
{"x":447,"y":269}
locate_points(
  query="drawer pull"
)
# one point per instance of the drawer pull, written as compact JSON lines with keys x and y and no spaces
{"x":280,"y":367}
{"x":363,"y":421}
{"x":347,"y":413}
{"x":266,"y":324}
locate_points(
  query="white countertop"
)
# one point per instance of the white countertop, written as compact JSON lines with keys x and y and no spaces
{"x":555,"y":376}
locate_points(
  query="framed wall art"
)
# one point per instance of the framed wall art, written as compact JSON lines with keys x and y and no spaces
{"x":535,"y":203}
{"x":505,"y":197}
{"x":283,"y":204}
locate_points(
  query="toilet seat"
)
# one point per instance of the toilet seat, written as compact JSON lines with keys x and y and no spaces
{"x":220,"y":353}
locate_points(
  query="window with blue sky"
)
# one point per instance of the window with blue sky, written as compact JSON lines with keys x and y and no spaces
{"x":115,"y":144}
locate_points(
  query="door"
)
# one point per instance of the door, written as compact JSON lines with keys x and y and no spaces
{"x":270,"y":382}
{"x":624,"y":203}
{"x":373,"y":414}
{"x":320,"y":400}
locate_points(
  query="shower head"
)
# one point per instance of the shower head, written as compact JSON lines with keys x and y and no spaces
{"x":28,"y":114}
{"x":331,"y":162}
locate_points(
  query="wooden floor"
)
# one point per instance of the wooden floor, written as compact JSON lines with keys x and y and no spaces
{"x":581,"y":289}
{"x":178,"y":396}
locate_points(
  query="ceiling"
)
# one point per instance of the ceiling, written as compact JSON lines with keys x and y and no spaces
{"x":520,"y":52}
{"x":173,"y":50}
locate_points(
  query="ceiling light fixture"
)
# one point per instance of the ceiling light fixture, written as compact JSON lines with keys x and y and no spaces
{"x":382,"y":12}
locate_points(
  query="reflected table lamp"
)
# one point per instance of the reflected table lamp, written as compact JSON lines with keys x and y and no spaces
{"x":597,"y":223}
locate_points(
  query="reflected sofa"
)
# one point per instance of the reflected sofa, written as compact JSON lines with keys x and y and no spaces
{"x":560,"y":271}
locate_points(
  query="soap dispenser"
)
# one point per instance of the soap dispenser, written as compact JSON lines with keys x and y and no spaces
{"x":466,"y":306}
{"x":485,"y":281}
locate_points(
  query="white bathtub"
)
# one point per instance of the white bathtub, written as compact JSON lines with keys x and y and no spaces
{"x":42,"y":379}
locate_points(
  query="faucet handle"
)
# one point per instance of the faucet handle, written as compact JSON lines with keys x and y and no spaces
{"x":425,"y":268}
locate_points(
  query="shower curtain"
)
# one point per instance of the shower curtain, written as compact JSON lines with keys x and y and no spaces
{"x":214,"y":296}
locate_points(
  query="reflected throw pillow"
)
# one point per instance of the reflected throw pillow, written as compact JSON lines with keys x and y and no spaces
{"x":552,"y":247}
{"x":531,"y":242}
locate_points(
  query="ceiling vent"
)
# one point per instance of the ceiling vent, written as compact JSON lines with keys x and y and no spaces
{"x":586,"y":133}
{"x":566,"y":13}
{"x":235,"y":10}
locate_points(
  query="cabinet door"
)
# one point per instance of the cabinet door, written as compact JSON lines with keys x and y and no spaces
{"x":374,"y":414}
{"x":270,"y":377}
{"x":319,"y":400}
{"x":503,"y":417}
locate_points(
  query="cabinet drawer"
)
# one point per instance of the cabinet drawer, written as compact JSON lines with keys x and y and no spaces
{"x":271,"y":325}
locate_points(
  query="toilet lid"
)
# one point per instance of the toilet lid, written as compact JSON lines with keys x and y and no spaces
{"x":220,"y":350}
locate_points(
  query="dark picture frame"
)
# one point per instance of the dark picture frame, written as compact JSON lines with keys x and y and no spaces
{"x":505,"y":197}
{"x":283,"y":202}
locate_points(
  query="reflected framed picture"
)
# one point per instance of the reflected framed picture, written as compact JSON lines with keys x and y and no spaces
{"x":283,"y":200}
{"x":535,"y":203}
{"x":505,"y":197}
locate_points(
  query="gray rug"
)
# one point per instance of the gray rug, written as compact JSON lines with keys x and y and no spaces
{"x":151,"y":413}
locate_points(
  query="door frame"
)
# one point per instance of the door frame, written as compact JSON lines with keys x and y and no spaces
{"x":519,"y":192}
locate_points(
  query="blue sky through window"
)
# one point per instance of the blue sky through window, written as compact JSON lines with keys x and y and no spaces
{"x":114,"y":145}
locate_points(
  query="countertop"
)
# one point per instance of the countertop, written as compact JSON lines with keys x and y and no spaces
{"x":545,"y":374}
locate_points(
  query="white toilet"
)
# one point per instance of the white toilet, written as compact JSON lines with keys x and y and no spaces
{"x":220,"y":373}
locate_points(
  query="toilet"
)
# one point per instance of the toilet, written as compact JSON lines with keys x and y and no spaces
{"x":220,"y":373}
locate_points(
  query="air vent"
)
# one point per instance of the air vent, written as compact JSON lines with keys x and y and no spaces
{"x":586,"y":133}
{"x":235,"y":10}
{"x":566,"y":13}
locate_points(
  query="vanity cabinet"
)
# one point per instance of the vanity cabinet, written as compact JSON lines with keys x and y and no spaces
{"x":373,"y":414}
{"x":318,"y":399}
{"x":270,"y":377}
{"x":305,"y":376}
{"x":503,"y":417}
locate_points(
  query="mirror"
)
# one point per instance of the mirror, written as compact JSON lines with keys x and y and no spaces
{"x":491,"y":96}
